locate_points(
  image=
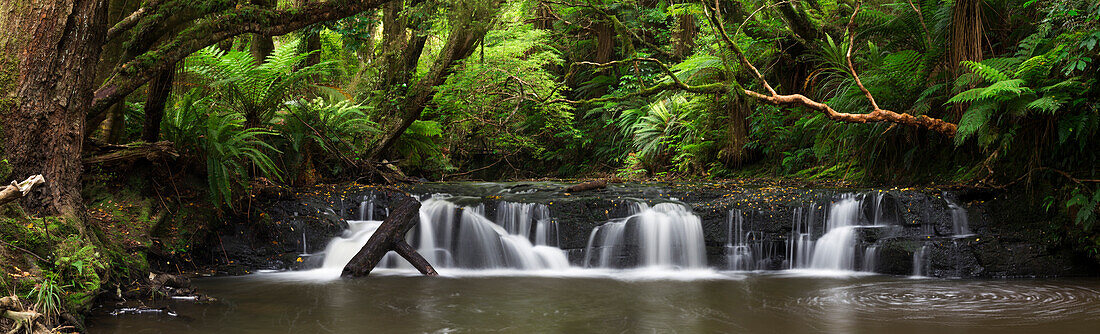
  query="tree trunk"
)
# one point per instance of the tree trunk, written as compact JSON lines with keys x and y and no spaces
{"x":460,"y":44}
{"x":391,"y":236}
{"x":262,"y":45}
{"x":686,"y":29}
{"x":159,"y":91}
{"x":54,"y":47}
{"x":966,"y":40}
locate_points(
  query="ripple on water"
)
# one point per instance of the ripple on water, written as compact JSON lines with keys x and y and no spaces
{"x":1007,"y":302}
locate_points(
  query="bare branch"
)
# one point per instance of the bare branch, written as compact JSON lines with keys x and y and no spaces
{"x":876,"y":115}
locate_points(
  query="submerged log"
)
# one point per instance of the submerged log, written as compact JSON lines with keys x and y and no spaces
{"x":391,"y":236}
{"x":17,"y":190}
{"x":590,"y":185}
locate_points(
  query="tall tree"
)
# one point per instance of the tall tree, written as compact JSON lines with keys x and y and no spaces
{"x":53,"y":45}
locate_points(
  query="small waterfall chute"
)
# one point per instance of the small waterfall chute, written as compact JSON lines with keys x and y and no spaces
{"x":667,"y":235}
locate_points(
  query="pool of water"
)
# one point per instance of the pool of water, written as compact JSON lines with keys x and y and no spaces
{"x":586,"y":301}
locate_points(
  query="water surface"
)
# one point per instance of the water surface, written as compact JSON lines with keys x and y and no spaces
{"x":581,"y":301}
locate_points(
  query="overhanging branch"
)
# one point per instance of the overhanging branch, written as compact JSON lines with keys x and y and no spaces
{"x":877,"y":114}
{"x":245,"y":19}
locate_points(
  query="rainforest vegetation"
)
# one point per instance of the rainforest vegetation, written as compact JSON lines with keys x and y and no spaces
{"x":150,"y":119}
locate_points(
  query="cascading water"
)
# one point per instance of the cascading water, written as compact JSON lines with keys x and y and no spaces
{"x":473,"y":242}
{"x":745,"y":248}
{"x":919,"y":263}
{"x":870,"y":258}
{"x":960,"y":225}
{"x":666,"y":235}
{"x":800,"y":247}
{"x":530,"y":220}
{"x":836,"y":248}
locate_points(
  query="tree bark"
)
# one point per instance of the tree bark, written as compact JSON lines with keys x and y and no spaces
{"x":966,"y":40}
{"x":586,"y":186}
{"x":391,"y":236}
{"x":54,"y":47}
{"x":160,"y":89}
{"x":262,"y":44}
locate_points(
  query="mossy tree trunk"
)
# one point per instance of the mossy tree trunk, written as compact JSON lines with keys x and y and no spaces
{"x":56,"y":44}
{"x":468,"y":26}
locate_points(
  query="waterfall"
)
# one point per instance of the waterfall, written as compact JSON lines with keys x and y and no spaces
{"x":960,"y":225}
{"x":745,"y":248}
{"x":341,"y":249}
{"x":452,"y":237}
{"x":870,"y":258}
{"x":836,"y":248}
{"x":919,"y":263}
{"x":530,"y":220}
{"x":800,"y":246}
{"x":665,"y":235}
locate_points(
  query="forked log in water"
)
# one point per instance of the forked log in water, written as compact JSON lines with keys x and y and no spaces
{"x":391,"y":236}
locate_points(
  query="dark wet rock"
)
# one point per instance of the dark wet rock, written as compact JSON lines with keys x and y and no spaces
{"x":1009,"y":237}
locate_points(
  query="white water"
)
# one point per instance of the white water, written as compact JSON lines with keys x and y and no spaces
{"x":870,"y":259}
{"x":523,"y":239}
{"x":745,"y":248}
{"x":667,"y":235}
{"x":835,"y":249}
{"x":920,"y":264}
{"x":960,"y":225}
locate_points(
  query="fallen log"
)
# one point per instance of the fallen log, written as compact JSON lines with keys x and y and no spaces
{"x":129,"y":153}
{"x":25,"y":320}
{"x":391,"y":236}
{"x":590,"y":185}
{"x":17,"y":190}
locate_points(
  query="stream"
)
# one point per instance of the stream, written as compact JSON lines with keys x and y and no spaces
{"x":822,"y":261}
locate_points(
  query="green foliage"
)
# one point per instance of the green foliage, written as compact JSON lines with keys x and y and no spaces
{"x":254,"y":90}
{"x":320,"y":132}
{"x":46,"y":296}
{"x":229,"y":149}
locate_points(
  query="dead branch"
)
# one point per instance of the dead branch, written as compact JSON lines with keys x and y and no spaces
{"x":26,"y":321}
{"x":132,"y":152}
{"x":391,"y":236}
{"x":877,"y":114}
{"x":17,"y":190}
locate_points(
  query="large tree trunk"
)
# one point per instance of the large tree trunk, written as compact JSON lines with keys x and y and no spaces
{"x":262,"y":44}
{"x":53,"y":45}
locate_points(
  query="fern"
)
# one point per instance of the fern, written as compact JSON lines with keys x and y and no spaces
{"x":986,"y":72}
{"x":976,"y":117}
